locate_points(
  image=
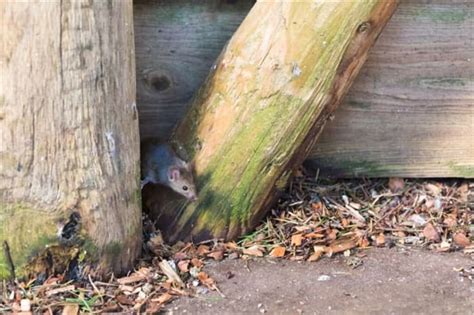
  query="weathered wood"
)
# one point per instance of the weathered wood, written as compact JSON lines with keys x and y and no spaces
{"x":176,"y":44}
{"x":69,"y":148}
{"x":388,"y":125}
{"x":411,"y":110}
{"x":275,"y":84}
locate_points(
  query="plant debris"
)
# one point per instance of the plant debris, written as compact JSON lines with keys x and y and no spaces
{"x":312,"y":219}
{"x":316,"y":218}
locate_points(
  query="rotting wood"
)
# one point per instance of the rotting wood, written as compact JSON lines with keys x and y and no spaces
{"x":69,"y":148}
{"x":275,"y":84}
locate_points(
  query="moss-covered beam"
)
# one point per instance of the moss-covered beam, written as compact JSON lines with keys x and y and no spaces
{"x":267,"y":98}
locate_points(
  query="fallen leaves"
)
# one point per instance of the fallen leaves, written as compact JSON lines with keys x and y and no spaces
{"x":254,"y":250}
{"x":431,"y":233}
{"x":396,"y":184}
{"x":296,"y":239}
{"x":318,"y":219}
{"x":312,"y":220}
{"x":461,"y":239}
{"x":278,"y":251}
{"x":318,"y":252}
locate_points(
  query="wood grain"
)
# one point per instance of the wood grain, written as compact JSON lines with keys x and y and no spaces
{"x":255,"y":118}
{"x":409,"y":113}
{"x":176,"y":44}
{"x":411,"y":110}
{"x":69,"y":129}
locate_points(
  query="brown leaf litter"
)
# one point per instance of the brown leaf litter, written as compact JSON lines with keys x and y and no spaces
{"x":312,"y":219}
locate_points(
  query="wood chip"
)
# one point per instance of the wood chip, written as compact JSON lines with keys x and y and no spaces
{"x":70,"y":309}
{"x":431,"y":233}
{"x":396,"y":184}
{"x":296,"y":239}
{"x":170,"y":272}
{"x":131,"y":279}
{"x":67,"y":288}
{"x":380,"y":240}
{"x":461,"y":239}
{"x":253,"y":251}
{"x":278,"y":251}
{"x":318,"y":252}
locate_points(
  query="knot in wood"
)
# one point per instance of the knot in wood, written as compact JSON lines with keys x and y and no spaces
{"x":363,"y":27}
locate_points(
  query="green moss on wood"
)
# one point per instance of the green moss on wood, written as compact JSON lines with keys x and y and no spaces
{"x":27,"y":231}
{"x":113,"y":250}
{"x":445,"y":15}
{"x":465,"y":171}
{"x":265,"y":123}
{"x":32,"y":238}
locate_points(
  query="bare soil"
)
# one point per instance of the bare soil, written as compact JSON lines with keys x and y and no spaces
{"x":390,"y":281}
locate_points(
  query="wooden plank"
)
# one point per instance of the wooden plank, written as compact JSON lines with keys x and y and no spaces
{"x":176,"y":44}
{"x":410,"y":112}
{"x":390,"y":125}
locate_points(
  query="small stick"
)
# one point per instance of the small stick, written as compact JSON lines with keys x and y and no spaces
{"x":8,"y":257}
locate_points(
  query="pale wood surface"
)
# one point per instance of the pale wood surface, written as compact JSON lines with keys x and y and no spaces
{"x":69,"y":128}
{"x":254,"y":120}
{"x":411,"y":110}
{"x":409,"y":113}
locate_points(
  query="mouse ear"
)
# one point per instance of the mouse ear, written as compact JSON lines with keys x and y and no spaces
{"x":173,"y":174}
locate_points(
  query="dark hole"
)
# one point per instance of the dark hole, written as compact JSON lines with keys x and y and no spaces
{"x":160,"y":83}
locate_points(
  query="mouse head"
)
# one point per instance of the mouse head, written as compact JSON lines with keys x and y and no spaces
{"x":181,"y":180}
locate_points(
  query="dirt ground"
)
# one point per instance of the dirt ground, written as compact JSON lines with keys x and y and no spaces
{"x":390,"y":281}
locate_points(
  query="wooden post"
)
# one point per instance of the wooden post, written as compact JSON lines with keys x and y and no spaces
{"x":69,"y":149}
{"x":274,"y":86}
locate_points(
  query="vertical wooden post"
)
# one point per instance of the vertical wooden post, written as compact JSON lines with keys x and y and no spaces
{"x":69,"y":149}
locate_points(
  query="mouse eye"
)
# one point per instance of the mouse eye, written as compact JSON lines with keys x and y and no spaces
{"x":185,"y":188}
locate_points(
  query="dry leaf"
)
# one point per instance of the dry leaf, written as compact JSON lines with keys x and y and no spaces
{"x":124,"y":300}
{"x":314,"y":235}
{"x":332,"y":234}
{"x":165,"y":297}
{"x":363,"y":242}
{"x":206,"y":280}
{"x":431,"y":233}
{"x":180,"y":256}
{"x":341,"y":246}
{"x":153,"y":308}
{"x":380,"y":240}
{"x":461,"y":239}
{"x":296,"y":239}
{"x":217,"y":255}
{"x":253,"y":251}
{"x":318,"y":252}
{"x":135,"y":277}
{"x":317,"y":207}
{"x":450,"y":220}
{"x":170,"y":272}
{"x":278,"y":251}
{"x":396,"y":184}
{"x":67,"y":288}
{"x":183,"y":265}
{"x":70,"y":309}
{"x":433,"y":189}
{"x":203,"y":250}
{"x":344,"y":222}
{"x":196,"y":262}
{"x":231,"y":245}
